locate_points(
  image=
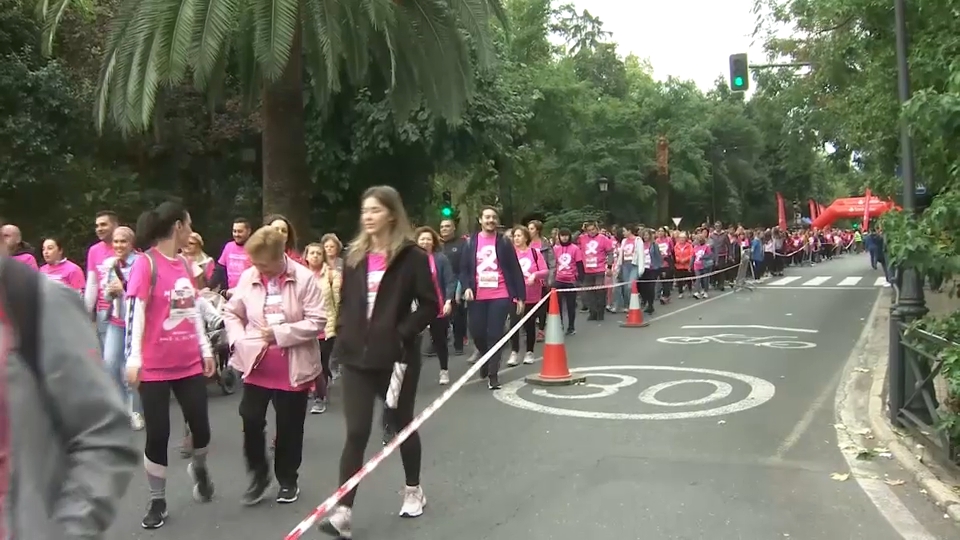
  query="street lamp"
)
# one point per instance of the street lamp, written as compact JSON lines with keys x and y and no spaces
{"x":910,"y":303}
{"x":603,"y":184}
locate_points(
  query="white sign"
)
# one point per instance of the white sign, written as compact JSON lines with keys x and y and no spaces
{"x":676,"y":222}
{"x":760,"y":392}
{"x":773,"y":342}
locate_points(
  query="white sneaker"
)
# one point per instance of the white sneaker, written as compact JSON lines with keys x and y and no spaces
{"x":136,"y":421}
{"x":513,"y":359}
{"x":413,"y":502}
{"x":444,"y":376}
{"x":337,"y":523}
{"x":528,"y":358}
{"x":473,"y":357}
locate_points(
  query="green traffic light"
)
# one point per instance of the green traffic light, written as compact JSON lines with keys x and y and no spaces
{"x":738,"y":81}
{"x":446,"y":211}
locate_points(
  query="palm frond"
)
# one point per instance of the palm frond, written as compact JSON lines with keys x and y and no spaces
{"x":216,"y":21}
{"x":275,"y":24}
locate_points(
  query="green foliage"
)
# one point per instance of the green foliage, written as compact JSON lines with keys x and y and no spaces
{"x":849,"y":100}
{"x":947,"y":327}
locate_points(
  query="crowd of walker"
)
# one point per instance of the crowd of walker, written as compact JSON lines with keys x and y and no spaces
{"x":168,"y":317}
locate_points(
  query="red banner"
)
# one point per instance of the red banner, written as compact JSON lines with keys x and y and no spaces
{"x":813,"y":209}
{"x":866,"y":212}
{"x":781,"y":213}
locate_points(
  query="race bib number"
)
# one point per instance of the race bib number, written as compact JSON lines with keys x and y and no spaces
{"x":488,"y":279}
{"x":591,"y":262}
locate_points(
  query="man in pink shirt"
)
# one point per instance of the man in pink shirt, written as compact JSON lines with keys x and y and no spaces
{"x":597,"y":251}
{"x":94,"y":301}
{"x":17,"y":248}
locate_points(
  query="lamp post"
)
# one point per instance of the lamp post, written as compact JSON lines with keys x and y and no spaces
{"x":911,"y":304}
{"x":604,"y":186}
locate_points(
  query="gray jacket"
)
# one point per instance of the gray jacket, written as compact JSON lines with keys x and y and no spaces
{"x":68,"y":437}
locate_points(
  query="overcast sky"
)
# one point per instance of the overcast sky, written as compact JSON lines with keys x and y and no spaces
{"x":688,"y":39}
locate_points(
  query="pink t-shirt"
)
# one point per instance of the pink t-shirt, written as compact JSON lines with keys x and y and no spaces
{"x":567,"y":258}
{"x":627,"y":245}
{"x":436,"y":284}
{"x":664,"y":245}
{"x":96,"y":255}
{"x":170,"y":345}
{"x":236,"y":260}
{"x":594,"y":250}
{"x":27,"y":259}
{"x":376,"y":266}
{"x":66,"y":272}
{"x":489,"y":276}
{"x":273,"y":370}
{"x":532,"y":265}
{"x":699,"y":253}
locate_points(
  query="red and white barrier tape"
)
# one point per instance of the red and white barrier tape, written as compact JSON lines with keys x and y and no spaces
{"x":331,"y":501}
{"x":626,"y":283}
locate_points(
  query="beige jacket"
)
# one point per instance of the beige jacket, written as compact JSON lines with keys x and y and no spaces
{"x":330,"y":280}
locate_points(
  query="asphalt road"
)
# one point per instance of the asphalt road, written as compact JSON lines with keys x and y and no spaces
{"x":635,"y":462}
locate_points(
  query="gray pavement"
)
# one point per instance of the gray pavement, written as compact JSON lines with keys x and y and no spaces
{"x":631,"y":462}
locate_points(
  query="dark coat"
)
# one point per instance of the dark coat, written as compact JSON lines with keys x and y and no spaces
{"x":406,"y":304}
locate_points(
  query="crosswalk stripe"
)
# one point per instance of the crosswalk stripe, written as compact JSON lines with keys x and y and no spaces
{"x":850,"y":281}
{"x":881,"y":282}
{"x":819,"y":280}
{"x":785,"y":281}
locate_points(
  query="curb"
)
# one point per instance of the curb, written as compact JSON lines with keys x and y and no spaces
{"x":941,"y":493}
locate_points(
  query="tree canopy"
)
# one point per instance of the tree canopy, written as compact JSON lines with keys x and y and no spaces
{"x":544,"y":123}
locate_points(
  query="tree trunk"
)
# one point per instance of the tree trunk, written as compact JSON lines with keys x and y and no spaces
{"x":663,"y":200}
{"x":286,"y":182}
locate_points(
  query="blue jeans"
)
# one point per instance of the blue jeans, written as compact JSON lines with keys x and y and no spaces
{"x":115,"y":360}
{"x":103,"y":323}
{"x":702,"y":281}
{"x":628,"y":274}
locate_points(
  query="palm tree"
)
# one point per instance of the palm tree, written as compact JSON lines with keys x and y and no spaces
{"x":421,"y":48}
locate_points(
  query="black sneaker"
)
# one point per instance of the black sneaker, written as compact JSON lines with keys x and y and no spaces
{"x":259,"y":484}
{"x":156,"y":513}
{"x":202,"y":485}
{"x":288,"y":494}
{"x":458,"y":352}
{"x":494,"y":385}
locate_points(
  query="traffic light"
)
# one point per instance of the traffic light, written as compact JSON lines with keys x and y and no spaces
{"x":739,"y":72}
{"x":446,"y":205}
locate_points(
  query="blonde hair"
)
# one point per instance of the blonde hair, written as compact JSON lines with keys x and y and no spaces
{"x":400,"y":230}
{"x":266,"y":242}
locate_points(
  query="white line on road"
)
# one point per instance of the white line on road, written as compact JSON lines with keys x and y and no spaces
{"x":798,"y":430}
{"x":754,"y":326}
{"x":785,"y":281}
{"x":819,"y":280}
{"x":828,"y":288}
{"x":866,"y":474}
{"x":651,"y":319}
{"x":850,"y":281}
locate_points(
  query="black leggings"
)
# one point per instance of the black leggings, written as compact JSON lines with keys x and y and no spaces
{"x":361,"y":388}
{"x":191,"y":394}
{"x":529,"y":327}
{"x":438,"y":337}
{"x":291,"y":411}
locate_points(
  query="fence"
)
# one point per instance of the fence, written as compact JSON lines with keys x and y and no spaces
{"x":917,"y":391}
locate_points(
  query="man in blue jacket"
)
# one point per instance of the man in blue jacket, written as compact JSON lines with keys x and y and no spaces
{"x":493,"y":284}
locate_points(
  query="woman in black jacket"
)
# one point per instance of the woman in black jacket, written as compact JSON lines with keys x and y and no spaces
{"x":387,"y":299}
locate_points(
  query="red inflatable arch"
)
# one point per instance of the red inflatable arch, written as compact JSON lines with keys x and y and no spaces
{"x":851,"y":208}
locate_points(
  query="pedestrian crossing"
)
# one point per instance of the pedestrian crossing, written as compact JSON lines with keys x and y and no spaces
{"x":829,"y":281}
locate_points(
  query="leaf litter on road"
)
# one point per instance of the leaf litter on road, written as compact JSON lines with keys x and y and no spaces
{"x":840,"y":477}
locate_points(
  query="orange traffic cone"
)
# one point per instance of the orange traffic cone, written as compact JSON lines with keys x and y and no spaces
{"x":634,"y":313}
{"x":554,"y":370}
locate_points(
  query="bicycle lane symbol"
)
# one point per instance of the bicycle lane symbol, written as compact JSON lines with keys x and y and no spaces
{"x":760,"y":391}
{"x":772,"y":342}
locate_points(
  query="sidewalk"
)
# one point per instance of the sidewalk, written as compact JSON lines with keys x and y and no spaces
{"x":938,"y":484}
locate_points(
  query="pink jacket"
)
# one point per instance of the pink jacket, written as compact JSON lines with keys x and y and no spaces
{"x":302,"y":303}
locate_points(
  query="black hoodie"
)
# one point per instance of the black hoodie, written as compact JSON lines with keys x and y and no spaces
{"x":389,"y":335}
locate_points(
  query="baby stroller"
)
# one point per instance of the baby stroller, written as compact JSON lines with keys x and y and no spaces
{"x":210,"y":306}
{"x":225,"y":376}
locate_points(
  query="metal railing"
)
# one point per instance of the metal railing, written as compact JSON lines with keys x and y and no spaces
{"x":913,"y":398}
